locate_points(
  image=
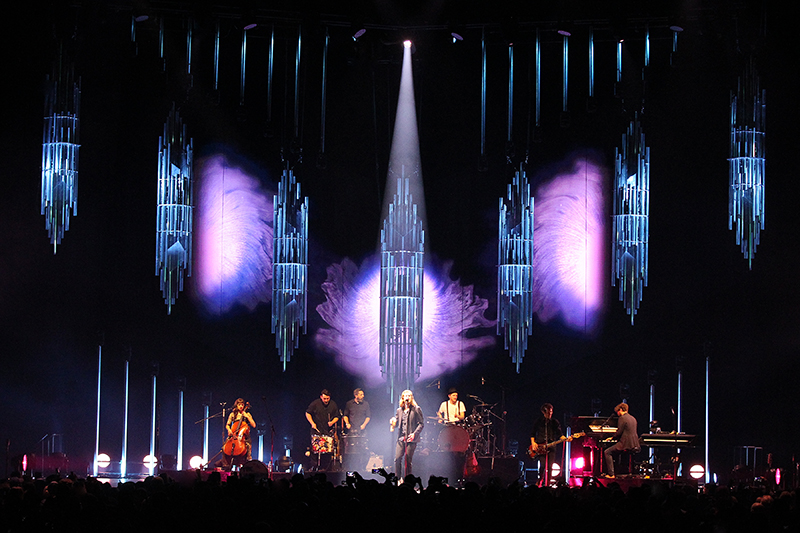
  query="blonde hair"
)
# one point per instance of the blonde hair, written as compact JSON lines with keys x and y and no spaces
{"x":413,"y":402}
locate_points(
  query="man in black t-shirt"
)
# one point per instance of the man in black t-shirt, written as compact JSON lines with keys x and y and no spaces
{"x":322,"y":414}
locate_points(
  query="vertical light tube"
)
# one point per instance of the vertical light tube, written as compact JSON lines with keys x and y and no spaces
{"x":261,"y":446}
{"x":179,"y":466}
{"x":538,"y":79}
{"x":153,"y":425}
{"x":190,"y":23}
{"x":680,"y":386}
{"x":205,"y":434}
{"x":161,"y":43}
{"x":97,"y":425}
{"x":652,"y":403}
{"x":591,"y":62}
{"x":297,"y":85}
{"x":242,"y":67}
{"x":483,"y":92}
{"x":216,"y":55}
{"x":270,"y":66}
{"x":565,"y":67}
{"x":619,"y":61}
{"x":510,"y":90}
{"x":123,"y":463}
{"x":324,"y":92}
{"x":647,"y":47}
{"x":679,"y":415}
{"x":708,"y":401}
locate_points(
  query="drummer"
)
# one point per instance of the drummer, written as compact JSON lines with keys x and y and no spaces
{"x":357,"y":414}
{"x":451,"y":411}
{"x":322,"y":414}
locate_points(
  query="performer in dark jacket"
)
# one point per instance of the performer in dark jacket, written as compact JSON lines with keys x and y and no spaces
{"x":409,"y":422}
{"x":545,"y":431}
{"x":626,"y":436}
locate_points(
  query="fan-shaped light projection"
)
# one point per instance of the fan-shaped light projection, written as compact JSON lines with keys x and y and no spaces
{"x":289,"y":266}
{"x":515,"y":268}
{"x":175,"y":208}
{"x":747,"y":161}
{"x":60,"y":150}
{"x":631,"y":230}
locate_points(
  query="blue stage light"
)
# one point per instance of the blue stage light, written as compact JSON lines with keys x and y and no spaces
{"x":289,"y":266}
{"x":175,"y":208}
{"x":60,"y":150}
{"x":746,"y":163}
{"x":515,"y":268}
{"x":631,"y":218}
{"x":402,"y":274}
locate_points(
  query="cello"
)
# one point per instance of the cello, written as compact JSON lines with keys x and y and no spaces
{"x":236,"y":444}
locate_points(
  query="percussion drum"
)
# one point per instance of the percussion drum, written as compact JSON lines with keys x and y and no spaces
{"x":355,"y":445}
{"x":453,"y":439}
{"x":321,"y":444}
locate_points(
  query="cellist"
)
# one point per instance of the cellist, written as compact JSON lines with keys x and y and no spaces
{"x":237,"y":426}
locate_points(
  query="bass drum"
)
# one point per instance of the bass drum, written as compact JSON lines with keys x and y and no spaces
{"x":255,"y":470}
{"x":453,"y":439}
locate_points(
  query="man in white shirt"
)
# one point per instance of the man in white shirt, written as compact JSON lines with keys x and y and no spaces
{"x":451,"y":410}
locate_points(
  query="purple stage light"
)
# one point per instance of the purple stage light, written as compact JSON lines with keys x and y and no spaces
{"x":234,"y":237}
{"x":569,"y":256}
{"x":352,"y":310}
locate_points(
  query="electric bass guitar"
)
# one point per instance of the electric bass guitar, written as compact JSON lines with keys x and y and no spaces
{"x":544,"y":448}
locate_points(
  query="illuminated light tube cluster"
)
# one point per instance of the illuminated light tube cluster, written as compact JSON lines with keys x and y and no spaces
{"x":289,"y":266}
{"x":515,"y":268}
{"x":60,"y":152}
{"x":631,"y":217}
{"x":175,"y":208}
{"x":746,"y":163}
{"x":402,"y":274}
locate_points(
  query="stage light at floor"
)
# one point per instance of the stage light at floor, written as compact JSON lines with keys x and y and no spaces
{"x":631,"y":218}
{"x":60,"y":148}
{"x":289,"y":266}
{"x":555,"y":471}
{"x":150,"y":461}
{"x":578,"y":463}
{"x":196,"y":462}
{"x":515,"y":267}
{"x":697,"y":472}
{"x":747,"y":162}
{"x":103,"y":460}
{"x":174,"y":209}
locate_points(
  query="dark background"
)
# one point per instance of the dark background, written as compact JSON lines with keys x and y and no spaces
{"x":702,"y":300}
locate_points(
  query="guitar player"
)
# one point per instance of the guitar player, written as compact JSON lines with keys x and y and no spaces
{"x":545,"y":430}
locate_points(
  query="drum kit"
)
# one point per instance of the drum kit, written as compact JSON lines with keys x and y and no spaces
{"x":472,"y":434}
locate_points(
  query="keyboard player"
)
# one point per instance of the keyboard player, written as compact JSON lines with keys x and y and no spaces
{"x":626,"y":436}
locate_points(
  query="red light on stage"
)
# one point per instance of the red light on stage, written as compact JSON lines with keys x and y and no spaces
{"x":25,"y":462}
{"x":578,"y":463}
